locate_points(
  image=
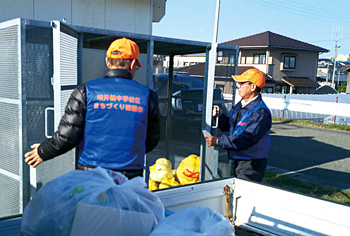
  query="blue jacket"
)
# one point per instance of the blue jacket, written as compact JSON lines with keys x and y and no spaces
{"x":249,"y":138}
{"x":116,"y":124}
{"x":71,"y":131}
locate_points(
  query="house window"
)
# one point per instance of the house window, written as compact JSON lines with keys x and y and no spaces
{"x":289,"y":62}
{"x":259,"y":59}
{"x":231,"y":59}
{"x":280,"y":89}
{"x":267,"y":89}
{"x":242,"y":60}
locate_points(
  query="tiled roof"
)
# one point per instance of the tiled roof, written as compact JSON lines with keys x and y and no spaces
{"x":222,"y":71}
{"x":300,"y":82}
{"x":273,"y":40}
{"x":326,"y":89}
{"x":198,"y":70}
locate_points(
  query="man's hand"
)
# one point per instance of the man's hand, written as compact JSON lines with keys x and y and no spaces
{"x":215,"y":111}
{"x":32,"y":157}
{"x":211,"y":140}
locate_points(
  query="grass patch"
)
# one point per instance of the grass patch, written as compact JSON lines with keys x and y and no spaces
{"x":305,"y":187}
{"x":314,"y":124}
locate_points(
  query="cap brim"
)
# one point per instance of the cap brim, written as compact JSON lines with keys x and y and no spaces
{"x":239,"y":78}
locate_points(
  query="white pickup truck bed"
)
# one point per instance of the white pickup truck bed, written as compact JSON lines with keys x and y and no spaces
{"x":262,"y":209}
{"x":256,"y":209}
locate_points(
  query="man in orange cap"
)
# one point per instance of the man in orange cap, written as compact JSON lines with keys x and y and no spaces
{"x":249,"y":126}
{"x":114,"y":119}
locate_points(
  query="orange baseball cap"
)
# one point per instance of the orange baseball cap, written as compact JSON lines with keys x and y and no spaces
{"x":252,"y":75}
{"x":124,"y":48}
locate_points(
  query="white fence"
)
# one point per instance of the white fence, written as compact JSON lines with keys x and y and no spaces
{"x":308,"y":106}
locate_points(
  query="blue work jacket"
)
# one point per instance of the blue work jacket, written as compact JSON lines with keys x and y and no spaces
{"x":249,"y":129}
{"x":116,"y":124}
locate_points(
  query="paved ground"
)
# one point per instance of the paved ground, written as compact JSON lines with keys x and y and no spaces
{"x":313,"y":154}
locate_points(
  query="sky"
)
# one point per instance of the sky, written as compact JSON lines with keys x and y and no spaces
{"x":318,"y":22}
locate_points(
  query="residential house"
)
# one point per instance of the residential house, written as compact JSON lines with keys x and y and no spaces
{"x":348,"y":80}
{"x":223,"y":72}
{"x":290,"y":65}
{"x":326,"y":75}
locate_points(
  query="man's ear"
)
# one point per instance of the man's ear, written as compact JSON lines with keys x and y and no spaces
{"x":132,"y":64}
{"x":253,"y":88}
{"x":107,"y":63}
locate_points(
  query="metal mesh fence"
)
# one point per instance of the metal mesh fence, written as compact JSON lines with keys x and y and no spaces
{"x":69,"y":57}
{"x":9,"y":122}
{"x":26,"y":88}
{"x":9,"y":196}
{"x":39,"y":68}
{"x":9,"y":163}
{"x":9,"y":138}
{"x":9,"y":62}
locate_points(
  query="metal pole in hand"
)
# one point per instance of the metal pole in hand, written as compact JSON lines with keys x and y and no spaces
{"x":208,"y":169}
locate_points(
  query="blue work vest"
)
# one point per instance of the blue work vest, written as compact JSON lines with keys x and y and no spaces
{"x":115,"y":124}
{"x":258,"y":150}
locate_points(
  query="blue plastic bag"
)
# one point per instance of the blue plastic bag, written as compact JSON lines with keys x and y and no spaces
{"x":194,"y":221}
{"x":52,"y":211}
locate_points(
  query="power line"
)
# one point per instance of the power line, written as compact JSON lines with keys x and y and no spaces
{"x":328,"y":12}
{"x":327,"y":40}
{"x":298,"y":11}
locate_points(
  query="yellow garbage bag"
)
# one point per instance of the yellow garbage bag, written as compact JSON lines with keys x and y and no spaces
{"x":188,"y":170}
{"x":166,"y":183}
{"x":153,"y":185}
{"x":161,"y":175}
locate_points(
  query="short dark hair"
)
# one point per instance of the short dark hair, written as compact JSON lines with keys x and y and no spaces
{"x":258,"y":90}
{"x":119,"y":62}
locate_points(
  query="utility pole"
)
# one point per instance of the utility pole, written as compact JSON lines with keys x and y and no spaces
{"x":335,"y":57}
{"x":327,"y":73}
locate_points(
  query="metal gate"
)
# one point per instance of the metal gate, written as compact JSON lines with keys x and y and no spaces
{"x":63,"y":80}
{"x":38,"y":71}
{"x":11,"y":172}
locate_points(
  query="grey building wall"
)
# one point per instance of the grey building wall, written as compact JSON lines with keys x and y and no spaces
{"x":135,"y":16}
{"x":94,"y":65}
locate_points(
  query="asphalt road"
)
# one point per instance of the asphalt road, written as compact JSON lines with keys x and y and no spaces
{"x":313,"y":154}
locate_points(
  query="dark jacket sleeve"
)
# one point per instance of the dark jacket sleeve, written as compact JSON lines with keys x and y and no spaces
{"x":257,"y":126}
{"x":224,"y":123}
{"x":71,"y":128}
{"x":153,"y":127}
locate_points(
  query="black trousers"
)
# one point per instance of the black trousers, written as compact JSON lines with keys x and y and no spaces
{"x":128,"y":173}
{"x":250,"y":169}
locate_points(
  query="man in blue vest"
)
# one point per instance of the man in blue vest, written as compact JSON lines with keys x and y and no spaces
{"x":114,"y":119}
{"x":249,"y":127}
